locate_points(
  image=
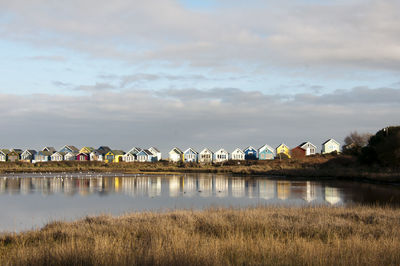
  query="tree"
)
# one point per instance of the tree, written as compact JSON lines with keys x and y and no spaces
{"x":360,"y":140}
{"x":355,"y":142}
{"x":383,"y":148}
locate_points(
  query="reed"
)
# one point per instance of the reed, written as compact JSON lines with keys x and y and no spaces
{"x":254,"y":236}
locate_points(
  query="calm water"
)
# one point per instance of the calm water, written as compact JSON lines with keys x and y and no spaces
{"x":30,"y":201}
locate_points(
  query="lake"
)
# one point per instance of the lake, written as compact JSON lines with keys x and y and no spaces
{"x":31,"y":200}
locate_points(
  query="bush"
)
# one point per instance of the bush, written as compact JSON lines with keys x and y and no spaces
{"x":383,"y":148}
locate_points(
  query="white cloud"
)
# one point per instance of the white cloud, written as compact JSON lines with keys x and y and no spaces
{"x":361,"y":34}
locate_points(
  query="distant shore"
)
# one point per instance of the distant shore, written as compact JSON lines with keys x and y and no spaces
{"x":315,"y":167}
{"x":256,"y":236}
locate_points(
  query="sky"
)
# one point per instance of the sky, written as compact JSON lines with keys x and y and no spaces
{"x":196,"y":74}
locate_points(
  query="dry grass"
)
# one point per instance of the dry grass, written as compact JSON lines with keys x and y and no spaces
{"x":272,"y":235}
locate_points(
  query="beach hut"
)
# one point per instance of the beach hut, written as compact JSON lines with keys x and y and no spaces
{"x":135,"y":150}
{"x":221,"y":156}
{"x":82,"y":156}
{"x":57,"y":156}
{"x":330,"y":146}
{"x":104,"y":148}
{"x":250,"y":153}
{"x":70,"y":156}
{"x":28,"y":155}
{"x":49,"y":149}
{"x":129,"y":157}
{"x":146,"y":156}
{"x":310,"y":148}
{"x":69,"y":148}
{"x":14,"y":155}
{"x":206,"y":156}
{"x":97,"y":155}
{"x":114,"y":156}
{"x":109,"y":157}
{"x":175,"y":155}
{"x":282,"y":151}
{"x":3,"y":155}
{"x":297,"y":152}
{"x":190,"y":155}
{"x":237,"y":154}
{"x":266,"y":152}
{"x":42,"y":156}
{"x":156,"y":152}
{"x":86,"y":150}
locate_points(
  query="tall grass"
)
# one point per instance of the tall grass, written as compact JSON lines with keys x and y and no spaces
{"x":271,"y":235}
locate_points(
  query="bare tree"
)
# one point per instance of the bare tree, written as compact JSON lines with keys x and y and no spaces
{"x":354,"y":143}
{"x":357,"y":140}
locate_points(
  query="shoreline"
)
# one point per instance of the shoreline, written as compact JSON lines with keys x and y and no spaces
{"x":330,"y":167}
{"x":301,"y":176}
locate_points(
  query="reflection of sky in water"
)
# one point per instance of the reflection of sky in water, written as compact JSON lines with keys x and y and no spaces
{"x":31,"y":201}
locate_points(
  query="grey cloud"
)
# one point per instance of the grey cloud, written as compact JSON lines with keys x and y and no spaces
{"x":186,"y":77}
{"x":225,"y":95}
{"x":396,"y":84}
{"x":49,"y":58}
{"x":96,"y":87}
{"x":61,"y":84}
{"x":123,"y":81}
{"x":129,"y":79}
{"x":316,"y":88}
{"x":191,"y":117}
{"x":145,"y":77}
{"x":357,"y":95}
{"x":303,"y":87}
{"x":108,"y":76}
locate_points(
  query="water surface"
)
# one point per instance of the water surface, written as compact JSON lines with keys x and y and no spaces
{"x":32,"y":200}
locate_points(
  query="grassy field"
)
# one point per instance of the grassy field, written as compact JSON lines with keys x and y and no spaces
{"x":272,"y":235}
{"x":320,"y":166}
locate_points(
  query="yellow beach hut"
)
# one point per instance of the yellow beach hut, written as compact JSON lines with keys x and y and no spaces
{"x":87,"y":150}
{"x":282,"y":151}
{"x":109,"y":157}
{"x":114,"y":156}
{"x":118,"y":156}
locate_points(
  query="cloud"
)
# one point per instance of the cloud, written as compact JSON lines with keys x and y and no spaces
{"x":134,"y":81}
{"x":186,"y":47}
{"x":58,"y":83}
{"x":138,"y":78}
{"x":96,"y":87}
{"x":220,"y":117}
{"x":55,"y":58}
{"x":357,"y":95}
{"x":316,"y":88}
{"x":223,"y":95}
{"x":351,"y":34}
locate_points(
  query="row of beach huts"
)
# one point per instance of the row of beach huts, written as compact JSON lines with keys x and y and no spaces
{"x":152,"y":154}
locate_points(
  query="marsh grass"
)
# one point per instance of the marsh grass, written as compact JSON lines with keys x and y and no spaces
{"x":254,"y":236}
